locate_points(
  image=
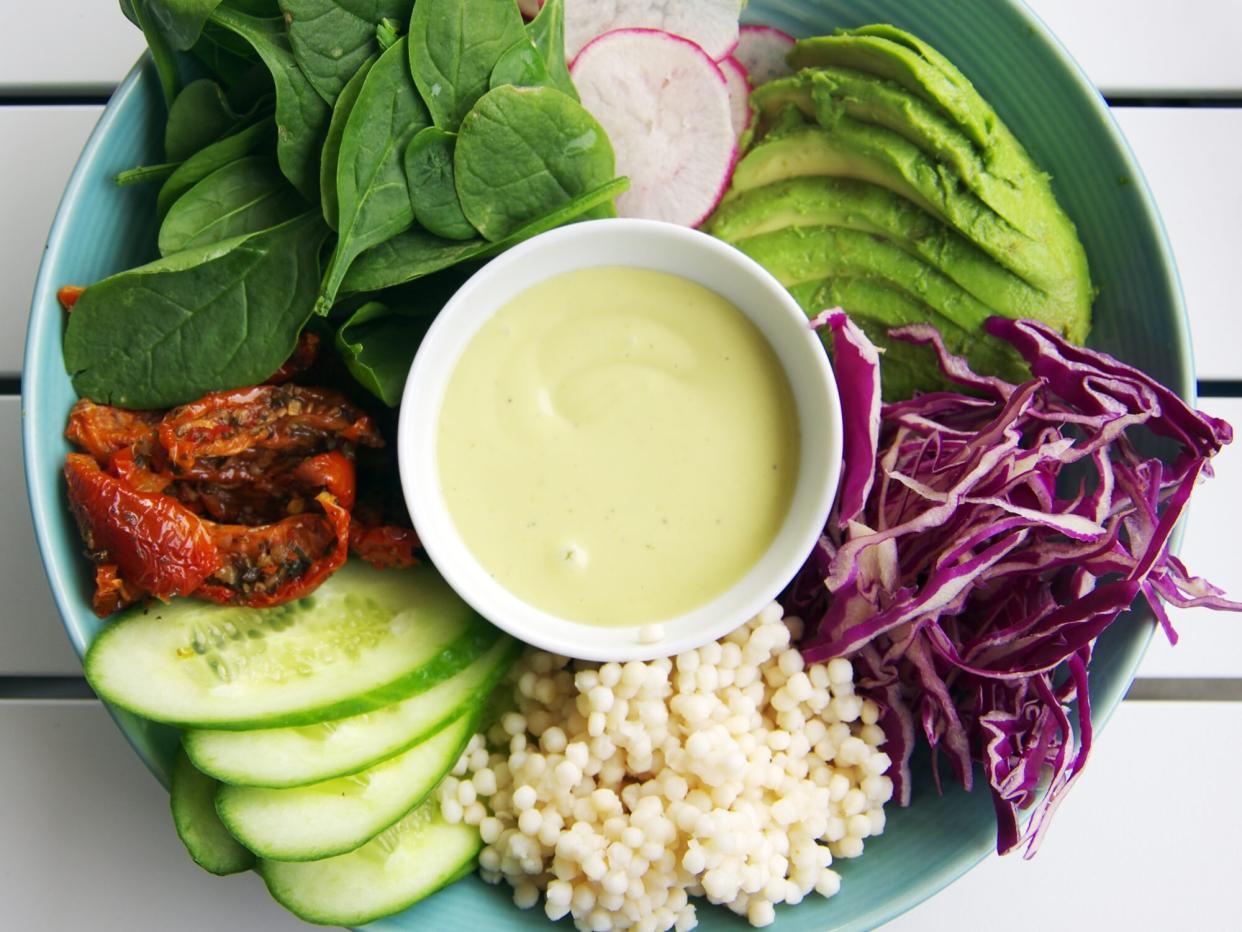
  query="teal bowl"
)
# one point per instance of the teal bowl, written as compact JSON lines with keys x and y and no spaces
{"x":1140,"y":317}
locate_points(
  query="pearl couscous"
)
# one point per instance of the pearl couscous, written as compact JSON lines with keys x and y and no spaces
{"x":733,"y":772}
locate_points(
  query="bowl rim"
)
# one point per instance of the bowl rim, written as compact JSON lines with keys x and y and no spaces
{"x":1103,"y":707}
{"x":37,"y":322}
{"x":637,"y":244}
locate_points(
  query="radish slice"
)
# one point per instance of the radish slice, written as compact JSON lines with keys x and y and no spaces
{"x":738,"y":82}
{"x":762,"y":51}
{"x":711,"y":24}
{"x":665,"y":105}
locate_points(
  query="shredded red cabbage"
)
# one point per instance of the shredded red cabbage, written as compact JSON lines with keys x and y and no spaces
{"x":967,"y":592}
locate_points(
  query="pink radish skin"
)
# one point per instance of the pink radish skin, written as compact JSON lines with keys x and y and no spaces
{"x":738,"y":82}
{"x":762,"y":51}
{"x":530,"y":8}
{"x":665,"y":105}
{"x":710,"y":24}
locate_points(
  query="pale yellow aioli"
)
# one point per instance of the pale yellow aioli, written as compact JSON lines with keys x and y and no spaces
{"x":618,"y":446}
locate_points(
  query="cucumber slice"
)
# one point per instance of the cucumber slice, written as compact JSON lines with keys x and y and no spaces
{"x":285,"y":757}
{"x":199,"y":828}
{"x":306,"y":823}
{"x":364,"y":639}
{"x":411,"y":860}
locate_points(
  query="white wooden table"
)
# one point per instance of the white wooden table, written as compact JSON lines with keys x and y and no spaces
{"x":1148,"y":840}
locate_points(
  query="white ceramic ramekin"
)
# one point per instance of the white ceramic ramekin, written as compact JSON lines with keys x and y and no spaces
{"x":649,"y":245}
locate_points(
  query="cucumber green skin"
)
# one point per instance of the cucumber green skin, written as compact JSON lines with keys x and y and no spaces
{"x":242,"y":761}
{"x":326,"y":892}
{"x":476,"y":641}
{"x":476,"y":638}
{"x":199,"y":828}
{"x":233,"y":801}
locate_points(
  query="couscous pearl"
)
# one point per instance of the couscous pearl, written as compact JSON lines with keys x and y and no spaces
{"x":726,"y":772}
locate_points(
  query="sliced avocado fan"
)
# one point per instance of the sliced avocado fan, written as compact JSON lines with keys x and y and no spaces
{"x":878,"y":164}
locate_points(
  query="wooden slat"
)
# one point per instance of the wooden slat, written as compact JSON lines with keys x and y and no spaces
{"x":1145,"y":840}
{"x":32,"y":641}
{"x":1190,"y":159}
{"x":1126,"y":47}
{"x":79,"y":47}
{"x":40,"y":147}
{"x":88,"y":820}
{"x":1140,"y":47}
{"x":88,"y":841}
{"x":1210,"y":643}
{"x":33,"y":644}
{"x":1185,"y":153}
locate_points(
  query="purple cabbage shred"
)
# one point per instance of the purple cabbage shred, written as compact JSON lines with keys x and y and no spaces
{"x":967,"y":592}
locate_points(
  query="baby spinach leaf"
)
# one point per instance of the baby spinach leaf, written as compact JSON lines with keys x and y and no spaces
{"x":332,"y":38}
{"x":417,"y":253}
{"x":198,"y":117}
{"x":521,"y":65}
{"x":547,"y":32}
{"x":182,"y":20}
{"x":522,"y":153}
{"x":454,"y":46}
{"x":370,"y":180}
{"x":332,"y":144}
{"x":211,"y":318}
{"x":265,"y":9}
{"x":142,"y":174}
{"x":433,"y":195}
{"x":233,"y":63}
{"x":243,"y":197}
{"x":387,"y":32}
{"x":162,"y":54}
{"x":379,"y":339}
{"x":378,"y":345}
{"x":301,"y":114}
{"x":406,"y":257}
{"x":254,"y":138}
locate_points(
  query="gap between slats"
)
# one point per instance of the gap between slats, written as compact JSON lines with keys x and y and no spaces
{"x":1142,"y":690}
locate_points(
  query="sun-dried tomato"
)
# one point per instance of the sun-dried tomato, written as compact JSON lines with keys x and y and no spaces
{"x":242,"y":497}
{"x":284,"y":418}
{"x":333,"y":472}
{"x":384,"y":546}
{"x":102,"y":430}
{"x":68,"y":296}
{"x":156,"y":543}
{"x":112,"y":593}
{"x":278,"y":562}
{"x":301,"y":359}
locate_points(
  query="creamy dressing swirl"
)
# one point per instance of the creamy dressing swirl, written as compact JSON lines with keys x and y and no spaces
{"x":618,"y":445}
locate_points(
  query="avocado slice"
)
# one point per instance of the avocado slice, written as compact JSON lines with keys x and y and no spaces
{"x":882,"y":182}
{"x":877,"y":156}
{"x":801,"y":254}
{"x":818,"y":201}
{"x":823,"y":94}
{"x":904,"y":368}
{"x":826,"y":255}
{"x":890,"y":53}
{"x":894,"y":56}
